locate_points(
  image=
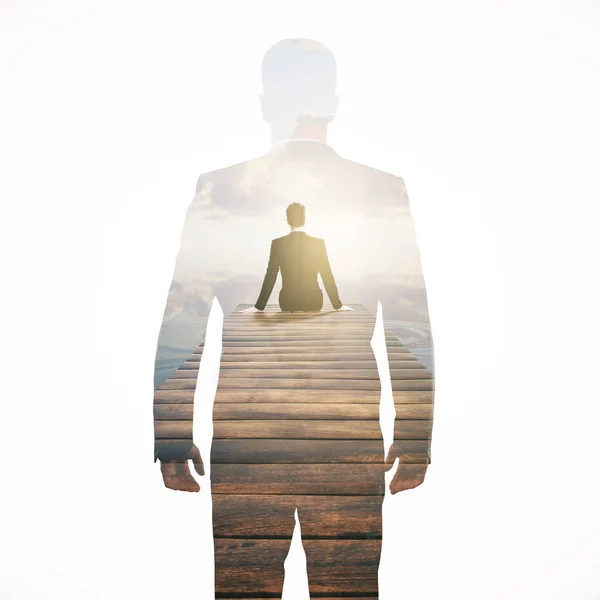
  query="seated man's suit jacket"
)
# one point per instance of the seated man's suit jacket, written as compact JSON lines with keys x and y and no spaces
{"x":301,"y":258}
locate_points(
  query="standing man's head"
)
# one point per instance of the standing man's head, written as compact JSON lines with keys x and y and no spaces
{"x":296,"y":215}
{"x":299,"y":89}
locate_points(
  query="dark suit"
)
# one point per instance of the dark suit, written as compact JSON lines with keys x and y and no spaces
{"x":301,"y":258}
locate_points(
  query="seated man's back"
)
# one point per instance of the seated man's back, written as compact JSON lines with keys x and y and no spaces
{"x":300,"y":257}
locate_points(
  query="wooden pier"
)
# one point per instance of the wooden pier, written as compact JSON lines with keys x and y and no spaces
{"x":296,"y":426}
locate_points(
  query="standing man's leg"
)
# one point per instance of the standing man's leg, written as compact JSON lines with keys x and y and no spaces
{"x":342,"y":527}
{"x":245,"y":561}
{"x":342,"y":538}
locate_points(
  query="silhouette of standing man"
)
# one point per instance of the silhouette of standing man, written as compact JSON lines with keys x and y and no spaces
{"x":365,"y":216}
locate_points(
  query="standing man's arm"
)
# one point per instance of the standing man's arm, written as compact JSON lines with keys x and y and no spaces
{"x":270,"y":277}
{"x":404,"y":299}
{"x":182,"y":331}
{"x":328,"y":279}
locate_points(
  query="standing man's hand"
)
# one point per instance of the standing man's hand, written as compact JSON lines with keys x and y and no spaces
{"x":250,"y":310}
{"x":344,"y":307}
{"x":176,"y":473}
{"x":408,"y":475}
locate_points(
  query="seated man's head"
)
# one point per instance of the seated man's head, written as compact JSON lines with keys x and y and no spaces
{"x":296,"y":215}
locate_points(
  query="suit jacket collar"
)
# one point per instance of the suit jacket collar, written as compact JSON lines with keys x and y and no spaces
{"x":301,"y":148}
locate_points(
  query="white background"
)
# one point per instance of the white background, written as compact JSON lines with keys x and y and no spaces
{"x":489,"y":110}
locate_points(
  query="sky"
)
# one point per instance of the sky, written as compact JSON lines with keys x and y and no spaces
{"x":488,"y":111}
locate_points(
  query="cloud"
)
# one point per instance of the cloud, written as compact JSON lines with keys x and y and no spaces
{"x":204,"y":190}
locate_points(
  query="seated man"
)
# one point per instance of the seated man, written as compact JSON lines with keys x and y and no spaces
{"x":301,"y":258}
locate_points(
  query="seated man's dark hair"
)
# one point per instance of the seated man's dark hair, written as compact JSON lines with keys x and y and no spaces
{"x":296,"y":214}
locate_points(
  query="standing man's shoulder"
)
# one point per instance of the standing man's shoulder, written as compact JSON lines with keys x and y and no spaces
{"x":230,"y":188}
{"x":379,"y":187}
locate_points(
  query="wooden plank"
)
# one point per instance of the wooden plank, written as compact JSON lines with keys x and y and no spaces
{"x":299,"y":320}
{"x":321,"y":479}
{"x":267,"y":325}
{"x":261,"y":451}
{"x":308,"y":350}
{"x":289,"y":410}
{"x":272,"y":410}
{"x":319,"y":328}
{"x":319,"y":332}
{"x":302,"y":323}
{"x":273,"y":516}
{"x":298,"y":384}
{"x":399,"y":359}
{"x":334,"y":331}
{"x":279,"y":396}
{"x":275,"y":451}
{"x":309,"y":373}
{"x":173,"y":396}
{"x":341,"y":337}
{"x":322,"y":344}
{"x":173,"y":430}
{"x":306,"y":364}
{"x":325,"y":314}
{"x":343,"y":566}
{"x":329,"y":330}
{"x":283,"y":429}
{"x":410,"y":429}
{"x":327,"y":310}
{"x":405,"y":429}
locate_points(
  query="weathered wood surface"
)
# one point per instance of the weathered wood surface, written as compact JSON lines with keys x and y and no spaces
{"x":339,"y":567}
{"x":328,"y":345}
{"x":309,"y":373}
{"x":282,"y":363}
{"x":177,"y":383}
{"x":281,"y":330}
{"x":269,"y":451}
{"x":325,"y":343}
{"x":296,"y":410}
{"x":342,"y":352}
{"x":260,"y":325}
{"x":169,"y":396}
{"x":333,"y":429}
{"x":283,"y":451}
{"x":296,"y":426}
{"x":344,"y":516}
{"x":324,"y":479}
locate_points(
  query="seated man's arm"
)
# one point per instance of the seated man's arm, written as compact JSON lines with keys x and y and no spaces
{"x":270,"y":278}
{"x":328,"y":279}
